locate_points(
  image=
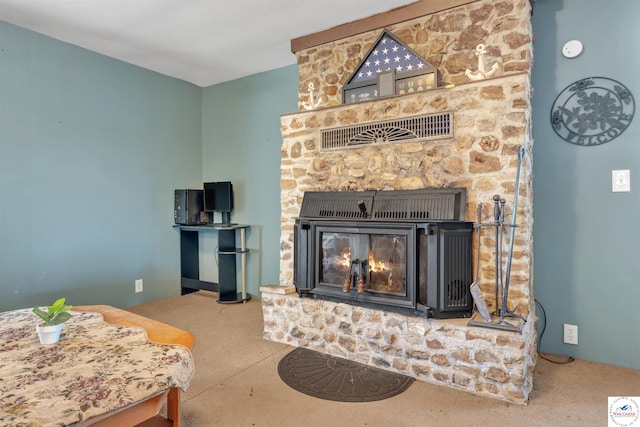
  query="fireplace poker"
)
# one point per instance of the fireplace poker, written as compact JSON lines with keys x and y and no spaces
{"x":500,"y":253}
{"x":505,"y":292}
{"x":496,"y":223}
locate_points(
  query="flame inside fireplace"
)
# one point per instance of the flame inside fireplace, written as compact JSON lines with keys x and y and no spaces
{"x":376,"y":266}
{"x":382,"y":272}
{"x":344,"y":259}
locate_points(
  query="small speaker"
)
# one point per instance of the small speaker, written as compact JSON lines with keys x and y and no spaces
{"x":188,"y":208}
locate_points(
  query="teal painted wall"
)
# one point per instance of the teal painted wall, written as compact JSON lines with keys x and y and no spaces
{"x":91,"y":150}
{"x":241,"y":144}
{"x":586,"y":237}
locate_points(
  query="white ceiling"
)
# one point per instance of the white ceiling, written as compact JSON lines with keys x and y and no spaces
{"x":204,"y":42}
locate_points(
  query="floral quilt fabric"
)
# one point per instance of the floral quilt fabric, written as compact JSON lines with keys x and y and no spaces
{"x":94,"y":369}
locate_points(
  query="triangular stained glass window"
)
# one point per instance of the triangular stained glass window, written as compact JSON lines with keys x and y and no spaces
{"x":389,"y":68}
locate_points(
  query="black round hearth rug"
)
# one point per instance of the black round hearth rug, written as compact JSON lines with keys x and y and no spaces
{"x":333,"y":378}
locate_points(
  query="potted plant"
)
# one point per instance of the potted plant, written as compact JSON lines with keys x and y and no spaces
{"x":54,"y":317}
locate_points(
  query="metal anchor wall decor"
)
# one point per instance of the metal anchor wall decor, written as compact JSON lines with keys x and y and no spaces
{"x":481,"y":73}
{"x":312,"y":102}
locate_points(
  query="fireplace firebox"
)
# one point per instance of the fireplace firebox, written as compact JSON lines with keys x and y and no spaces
{"x":403,"y":250}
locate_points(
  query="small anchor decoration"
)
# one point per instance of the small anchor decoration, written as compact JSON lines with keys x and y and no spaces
{"x":481,"y":73}
{"x":312,"y":103}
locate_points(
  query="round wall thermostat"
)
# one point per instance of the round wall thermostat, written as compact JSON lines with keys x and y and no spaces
{"x":572,"y":48}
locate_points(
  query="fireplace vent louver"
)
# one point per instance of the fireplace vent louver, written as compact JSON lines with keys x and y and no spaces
{"x":337,"y":205}
{"x":432,"y":204}
{"x":420,"y":205}
{"x":422,"y":128}
{"x":457,"y":290}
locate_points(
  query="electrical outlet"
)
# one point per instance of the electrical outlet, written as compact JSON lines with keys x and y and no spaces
{"x":570,"y":334}
{"x":139,"y":286}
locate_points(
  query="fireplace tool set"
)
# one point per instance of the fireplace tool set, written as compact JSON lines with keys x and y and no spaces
{"x":502,"y":310}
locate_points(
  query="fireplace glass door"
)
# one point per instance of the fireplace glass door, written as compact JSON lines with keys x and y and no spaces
{"x":374,"y":263}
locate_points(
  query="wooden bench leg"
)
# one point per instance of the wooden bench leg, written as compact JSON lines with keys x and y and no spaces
{"x":173,"y":406}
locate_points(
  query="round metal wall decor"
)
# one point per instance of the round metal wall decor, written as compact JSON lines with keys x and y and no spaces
{"x":592,"y":111}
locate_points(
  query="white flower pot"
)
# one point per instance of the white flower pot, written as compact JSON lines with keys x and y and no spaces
{"x":49,"y":334}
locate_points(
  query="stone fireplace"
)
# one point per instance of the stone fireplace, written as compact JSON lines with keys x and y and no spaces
{"x":490,"y":122}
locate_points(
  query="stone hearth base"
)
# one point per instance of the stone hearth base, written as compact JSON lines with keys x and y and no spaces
{"x":482,"y":361}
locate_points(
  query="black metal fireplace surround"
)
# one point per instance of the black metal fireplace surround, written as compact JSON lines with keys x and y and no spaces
{"x":408,"y":251}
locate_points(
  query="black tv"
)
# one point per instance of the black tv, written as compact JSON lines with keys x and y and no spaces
{"x":218,"y":197}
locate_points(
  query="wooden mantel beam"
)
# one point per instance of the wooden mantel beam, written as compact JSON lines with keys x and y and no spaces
{"x":381,"y":20}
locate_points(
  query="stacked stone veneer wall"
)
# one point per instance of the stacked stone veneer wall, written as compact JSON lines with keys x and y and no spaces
{"x":491,"y":121}
{"x":447,"y":40}
{"x":478,"y":360}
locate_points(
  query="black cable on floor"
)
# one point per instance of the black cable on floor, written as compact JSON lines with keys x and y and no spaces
{"x":544,"y":316}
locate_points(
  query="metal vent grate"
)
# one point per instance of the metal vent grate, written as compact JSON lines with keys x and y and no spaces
{"x":432,"y":204}
{"x":455,"y":271}
{"x":318,"y":204}
{"x":426,"y":127}
{"x":435,"y":204}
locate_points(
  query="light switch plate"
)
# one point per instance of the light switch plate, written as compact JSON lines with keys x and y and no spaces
{"x":620,"y":181}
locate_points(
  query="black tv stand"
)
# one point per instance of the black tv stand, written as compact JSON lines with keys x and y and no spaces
{"x":227,"y":256}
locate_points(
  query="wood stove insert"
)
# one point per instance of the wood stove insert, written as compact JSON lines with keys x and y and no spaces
{"x":402,"y":250}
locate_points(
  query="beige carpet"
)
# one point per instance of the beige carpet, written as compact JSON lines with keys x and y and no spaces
{"x":237,"y":383}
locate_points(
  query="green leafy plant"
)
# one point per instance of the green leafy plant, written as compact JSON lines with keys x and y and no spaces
{"x":55,"y":314}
